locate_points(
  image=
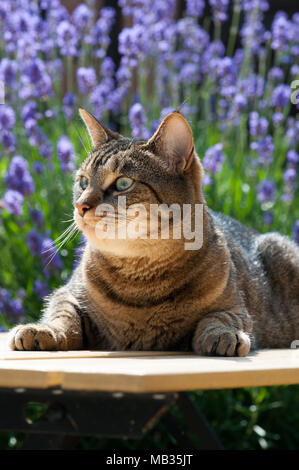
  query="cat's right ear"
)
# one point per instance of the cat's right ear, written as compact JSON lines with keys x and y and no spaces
{"x":99,"y":134}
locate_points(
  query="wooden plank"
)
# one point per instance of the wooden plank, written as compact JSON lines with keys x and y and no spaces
{"x":177,"y":373}
{"x":34,"y":355}
{"x":147,"y":372}
{"x":7,"y":354}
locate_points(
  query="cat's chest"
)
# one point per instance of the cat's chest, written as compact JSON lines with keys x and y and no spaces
{"x":143,"y":322}
{"x":130,"y":328}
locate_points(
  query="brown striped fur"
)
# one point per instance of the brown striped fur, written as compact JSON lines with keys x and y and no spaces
{"x":238,"y":291}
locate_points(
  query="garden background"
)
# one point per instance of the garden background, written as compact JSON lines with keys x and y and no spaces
{"x":230,"y":67}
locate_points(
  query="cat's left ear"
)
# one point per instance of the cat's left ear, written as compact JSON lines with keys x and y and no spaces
{"x":99,"y":134}
{"x":173,"y":142}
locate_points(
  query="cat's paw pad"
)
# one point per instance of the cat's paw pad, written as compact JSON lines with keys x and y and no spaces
{"x":222,"y":342}
{"x":36,"y":337}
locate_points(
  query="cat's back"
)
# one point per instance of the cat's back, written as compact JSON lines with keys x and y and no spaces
{"x":234,"y":231}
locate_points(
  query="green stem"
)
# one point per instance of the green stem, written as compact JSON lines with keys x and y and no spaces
{"x":217,"y":31}
{"x":234,"y":28}
{"x":69,"y":72}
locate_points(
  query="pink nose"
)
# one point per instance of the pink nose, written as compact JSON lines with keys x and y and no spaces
{"x":82,"y":208}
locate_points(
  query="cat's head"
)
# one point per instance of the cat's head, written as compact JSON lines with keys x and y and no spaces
{"x":122,"y":179}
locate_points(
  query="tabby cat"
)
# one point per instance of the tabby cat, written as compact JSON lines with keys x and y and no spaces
{"x":239,"y":291}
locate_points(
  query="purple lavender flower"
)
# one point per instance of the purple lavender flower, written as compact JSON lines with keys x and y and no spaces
{"x":8,"y":71}
{"x":239,"y":102}
{"x":50,"y":258}
{"x":82,"y":16}
{"x":226,"y":68}
{"x":7,"y":118}
{"x":257,"y":125}
{"x":210,"y":57}
{"x":103,"y":98}
{"x":30,"y":111}
{"x":292,"y":131}
{"x":35,"y":80}
{"x":138,"y":121}
{"x":123,"y":75}
{"x":66,"y":154}
{"x":289,"y":176}
{"x":189,"y":73}
{"x":207,"y":179}
{"x":281,"y":96}
{"x":248,"y":5}
{"x":252,"y":86}
{"x":35,"y":242}
{"x":14,"y":311}
{"x":69,"y":101}
{"x":195,"y":7}
{"x":37,"y":217}
{"x":67,"y":38}
{"x":214,"y":158}
{"x":23,"y":21}
{"x":87,"y":79}
{"x":194,"y":39}
{"x":34,"y":69}
{"x":281,"y":31}
{"x":46,"y":149}
{"x":38,"y":167}
{"x":41,"y":289}
{"x":264,"y":147}
{"x":107,"y":67}
{"x":294,"y":70}
{"x":277,"y":118}
{"x":295,"y":231}
{"x":269,"y":217}
{"x":266,"y":191}
{"x":13,"y":201}
{"x":18,"y":177}
{"x":276,"y":74}
{"x":219,"y":9}
{"x":8,"y":139}
{"x":253,"y":31}
{"x":292,"y":157}
{"x":5,"y":298}
{"x":99,"y":36}
{"x":34,"y":132}
{"x":132,"y":45}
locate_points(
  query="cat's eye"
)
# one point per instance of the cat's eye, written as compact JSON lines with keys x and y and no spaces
{"x":84,"y":182}
{"x":123,"y":183}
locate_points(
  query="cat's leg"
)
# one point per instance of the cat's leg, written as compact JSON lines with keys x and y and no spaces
{"x":59,"y":329}
{"x":223,"y":333}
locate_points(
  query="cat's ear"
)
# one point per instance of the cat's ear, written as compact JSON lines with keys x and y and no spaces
{"x":173,"y":142}
{"x":99,"y":134}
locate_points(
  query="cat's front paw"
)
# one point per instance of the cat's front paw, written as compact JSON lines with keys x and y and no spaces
{"x":37,"y":337}
{"x":221,"y":341}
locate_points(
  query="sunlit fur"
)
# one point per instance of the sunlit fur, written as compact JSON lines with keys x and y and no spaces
{"x":238,"y":292}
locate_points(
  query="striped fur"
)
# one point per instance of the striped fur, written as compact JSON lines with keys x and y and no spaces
{"x":238,"y":292}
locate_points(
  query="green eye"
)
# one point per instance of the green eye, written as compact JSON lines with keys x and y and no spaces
{"x":123,"y":183}
{"x":84,"y":182}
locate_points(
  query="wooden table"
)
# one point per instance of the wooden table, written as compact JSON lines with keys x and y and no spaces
{"x":155,"y":378}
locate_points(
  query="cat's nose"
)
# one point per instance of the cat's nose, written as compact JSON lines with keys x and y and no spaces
{"x":82,"y":208}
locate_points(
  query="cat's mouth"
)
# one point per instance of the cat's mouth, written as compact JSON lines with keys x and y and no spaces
{"x":90,"y":221}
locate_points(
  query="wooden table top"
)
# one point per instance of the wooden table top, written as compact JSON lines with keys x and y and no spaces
{"x":144,"y":372}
